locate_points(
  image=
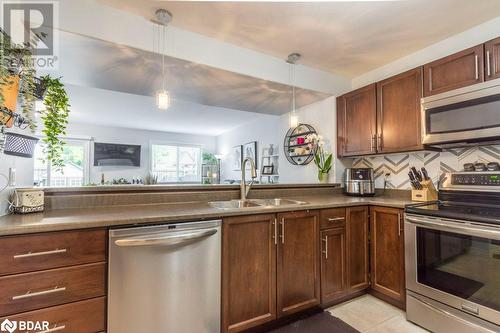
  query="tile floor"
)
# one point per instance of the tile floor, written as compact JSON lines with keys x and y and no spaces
{"x":371,"y":315}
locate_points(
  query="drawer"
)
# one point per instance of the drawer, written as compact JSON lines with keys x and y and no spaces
{"x":30,"y":291}
{"x":332,"y":218}
{"x":87,"y":316}
{"x":28,"y":253}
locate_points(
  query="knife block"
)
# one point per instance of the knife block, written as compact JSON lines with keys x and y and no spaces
{"x":428,"y":193}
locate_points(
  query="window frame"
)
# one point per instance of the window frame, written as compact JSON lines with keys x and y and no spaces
{"x":85,"y":142}
{"x":177,"y":145}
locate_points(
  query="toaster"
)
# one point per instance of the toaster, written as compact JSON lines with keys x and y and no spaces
{"x":359,"y":182}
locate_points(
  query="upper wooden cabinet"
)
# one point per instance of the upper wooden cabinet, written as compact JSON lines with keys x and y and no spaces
{"x":492,"y":57}
{"x":249,"y":272}
{"x":398,"y":112}
{"x":455,"y":71}
{"x":387,"y":254}
{"x":356,"y":122}
{"x":298,"y":274}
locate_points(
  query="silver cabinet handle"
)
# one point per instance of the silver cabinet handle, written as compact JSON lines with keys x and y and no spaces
{"x":42,"y":253}
{"x":335,"y":219}
{"x":282,"y":231}
{"x":326,"y":247}
{"x":476,"y":59}
{"x":399,"y":224}
{"x":488,"y":68}
{"x":372,"y":142}
{"x":275,"y":236}
{"x":53,"y":329}
{"x":29,"y":294}
{"x":379,"y":142}
{"x":167,"y":240}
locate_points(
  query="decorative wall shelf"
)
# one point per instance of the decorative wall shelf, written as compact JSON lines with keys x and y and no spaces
{"x":296,"y":150}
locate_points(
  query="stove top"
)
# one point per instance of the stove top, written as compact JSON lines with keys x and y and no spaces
{"x":469,"y":196}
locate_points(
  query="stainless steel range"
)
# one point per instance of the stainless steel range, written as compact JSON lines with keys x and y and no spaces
{"x":453,"y":256}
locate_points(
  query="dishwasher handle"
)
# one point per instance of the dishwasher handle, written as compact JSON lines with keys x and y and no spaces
{"x":186,"y":237}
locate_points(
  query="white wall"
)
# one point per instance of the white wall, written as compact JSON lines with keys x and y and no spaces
{"x":136,"y":137}
{"x":320,"y":115}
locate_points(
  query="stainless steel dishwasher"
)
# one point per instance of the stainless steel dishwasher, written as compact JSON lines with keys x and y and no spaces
{"x":165,"y":278}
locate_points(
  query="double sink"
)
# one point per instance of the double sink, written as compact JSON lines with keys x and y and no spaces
{"x":249,"y":203}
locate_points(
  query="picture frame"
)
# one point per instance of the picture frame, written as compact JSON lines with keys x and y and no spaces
{"x":267,"y":169}
{"x":236,"y":157}
{"x":250,"y":150}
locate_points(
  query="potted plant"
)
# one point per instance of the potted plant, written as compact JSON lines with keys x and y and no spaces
{"x":322,"y":159}
{"x":55,"y":119}
{"x":17,"y":77}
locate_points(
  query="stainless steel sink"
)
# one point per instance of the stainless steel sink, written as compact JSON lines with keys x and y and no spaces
{"x":239,"y":204}
{"x":279,"y":202}
{"x":234,"y":204}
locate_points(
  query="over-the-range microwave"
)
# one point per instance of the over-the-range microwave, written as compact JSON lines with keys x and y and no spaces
{"x":462,"y":117}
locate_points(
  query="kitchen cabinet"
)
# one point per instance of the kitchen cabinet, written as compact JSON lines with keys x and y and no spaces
{"x":248,"y":271}
{"x":398,"y":112}
{"x":298,"y":280}
{"x":357,"y":225}
{"x":458,"y":70}
{"x":492,"y":59}
{"x":333,"y":265}
{"x":356,"y":122}
{"x":387,"y":254}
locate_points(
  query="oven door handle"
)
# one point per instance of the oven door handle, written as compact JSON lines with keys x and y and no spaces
{"x":465,"y":228}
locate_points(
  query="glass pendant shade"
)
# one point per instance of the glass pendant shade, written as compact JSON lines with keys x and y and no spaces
{"x":294,"y":120}
{"x":163,"y":100}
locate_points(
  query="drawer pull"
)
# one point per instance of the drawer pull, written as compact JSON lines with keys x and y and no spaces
{"x":43,"y":253}
{"x":54,"y":329}
{"x":29,"y":294}
{"x":335,"y":219}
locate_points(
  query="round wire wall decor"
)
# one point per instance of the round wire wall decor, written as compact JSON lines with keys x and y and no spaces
{"x":297,"y":151}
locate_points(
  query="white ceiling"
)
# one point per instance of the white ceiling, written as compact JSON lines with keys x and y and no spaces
{"x":111,"y":108}
{"x":344,"y":37}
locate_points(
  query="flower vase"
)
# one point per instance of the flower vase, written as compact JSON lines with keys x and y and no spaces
{"x":323,"y":177}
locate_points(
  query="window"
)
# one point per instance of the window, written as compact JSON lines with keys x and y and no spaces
{"x":75,"y":171}
{"x":176,"y":163}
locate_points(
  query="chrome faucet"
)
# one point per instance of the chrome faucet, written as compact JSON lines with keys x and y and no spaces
{"x":244,"y":188}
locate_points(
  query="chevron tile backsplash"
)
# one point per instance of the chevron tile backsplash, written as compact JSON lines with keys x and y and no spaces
{"x":435,"y":163}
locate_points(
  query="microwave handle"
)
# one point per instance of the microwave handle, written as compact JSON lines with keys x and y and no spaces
{"x":450,"y":226}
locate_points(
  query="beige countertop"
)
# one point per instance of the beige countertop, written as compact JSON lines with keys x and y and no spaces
{"x":66,"y":219}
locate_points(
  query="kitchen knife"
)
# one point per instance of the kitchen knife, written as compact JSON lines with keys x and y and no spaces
{"x":418,"y":175}
{"x":416,"y":185}
{"x":425,"y":174}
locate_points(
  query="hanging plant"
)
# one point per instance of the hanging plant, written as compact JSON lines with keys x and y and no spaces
{"x":55,"y":120}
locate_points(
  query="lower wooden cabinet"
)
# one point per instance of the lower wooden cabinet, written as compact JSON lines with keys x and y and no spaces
{"x":333,"y":265}
{"x":387,"y":254}
{"x":357,"y":224}
{"x":270,"y":268}
{"x":248,"y":271}
{"x":298,"y":281}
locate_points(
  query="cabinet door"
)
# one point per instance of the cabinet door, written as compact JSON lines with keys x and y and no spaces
{"x":357,"y":249}
{"x":356,"y":122}
{"x":398,"y":112}
{"x":298,"y":262}
{"x":492,"y":56}
{"x":455,"y":71}
{"x":248,"y":272}
{"x":387,"y":253}
{"x":333,"y":265}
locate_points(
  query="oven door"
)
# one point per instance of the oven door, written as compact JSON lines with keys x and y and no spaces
{"x":464,"y":115}
{"x":454,"y":262}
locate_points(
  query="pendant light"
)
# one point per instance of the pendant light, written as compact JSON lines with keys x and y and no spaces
{"x":292,"y":60}
{"x":163,"y":96}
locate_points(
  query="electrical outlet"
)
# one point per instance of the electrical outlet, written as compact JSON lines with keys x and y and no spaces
{"x":12,"y":177}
